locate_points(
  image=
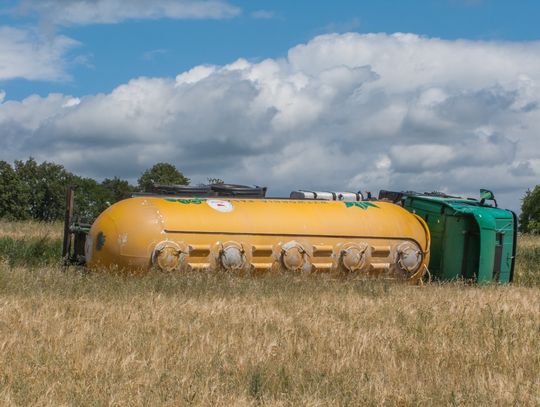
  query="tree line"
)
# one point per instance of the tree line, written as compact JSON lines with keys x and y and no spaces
{"x":29,"y":190}
{"x":36,"y":191}
{"x":529,"y":220}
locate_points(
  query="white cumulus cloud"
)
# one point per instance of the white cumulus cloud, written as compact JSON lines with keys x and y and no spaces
{"x":84,"y":12}
{"x":25,"y":54}
{"x":340,"y":112}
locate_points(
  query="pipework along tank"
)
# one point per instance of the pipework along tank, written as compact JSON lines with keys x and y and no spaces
{"x":256,"y":235}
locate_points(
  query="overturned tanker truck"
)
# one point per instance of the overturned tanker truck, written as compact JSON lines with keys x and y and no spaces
{"x":401,"y":235}
{"x":235,"y":228}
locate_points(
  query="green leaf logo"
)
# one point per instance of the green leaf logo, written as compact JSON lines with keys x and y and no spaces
{"x":361,"y":205}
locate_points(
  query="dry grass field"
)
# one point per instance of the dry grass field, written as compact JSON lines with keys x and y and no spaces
{"x":77,"y":339}
{"x":31,"y":229}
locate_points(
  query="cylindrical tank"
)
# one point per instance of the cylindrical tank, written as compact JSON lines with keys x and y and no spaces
{"x":256,"y":235}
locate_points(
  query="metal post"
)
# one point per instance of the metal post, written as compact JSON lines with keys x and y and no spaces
{"x":66,"y":248}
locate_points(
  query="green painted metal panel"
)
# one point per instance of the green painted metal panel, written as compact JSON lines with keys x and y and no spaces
{"x":471,"y":250}
{"x":430,"y":212}
{"x":506,"y":238}
{"x":468,"y":240}
{"x":453,"y":242}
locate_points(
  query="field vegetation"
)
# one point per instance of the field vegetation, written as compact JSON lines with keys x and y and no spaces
{"x":68,"y":337}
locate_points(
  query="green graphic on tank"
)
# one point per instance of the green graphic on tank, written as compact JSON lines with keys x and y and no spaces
{"x":361,"y":205}
{"x":196,"y":201}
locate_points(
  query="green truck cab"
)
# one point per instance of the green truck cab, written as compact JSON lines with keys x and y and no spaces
{"x":470,"y":240}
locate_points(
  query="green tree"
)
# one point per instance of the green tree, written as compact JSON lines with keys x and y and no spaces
{"x":91,"y":198}
{"x":42,"y":189}
{"x":161,"y":173}
{"x":529,"y":220}
{"x":29,"y":190}
{"x":117,"y":189}
{"x":11,"y":206}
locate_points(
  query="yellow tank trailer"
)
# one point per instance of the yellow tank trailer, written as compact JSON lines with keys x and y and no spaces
{"x":257,"y":235}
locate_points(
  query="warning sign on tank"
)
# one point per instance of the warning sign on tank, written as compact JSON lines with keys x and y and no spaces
{"x":219,"y":205}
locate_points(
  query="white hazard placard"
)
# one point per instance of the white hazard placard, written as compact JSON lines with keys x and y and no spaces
{"x":219,"y":205}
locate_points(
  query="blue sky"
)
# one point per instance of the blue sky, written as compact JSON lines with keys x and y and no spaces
{"x":350,"y":95}
{"x":110,"y":54}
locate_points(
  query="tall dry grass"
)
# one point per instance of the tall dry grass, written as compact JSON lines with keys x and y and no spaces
{"x":31,"y":229}
{"x":527,"y":269}
{"x":100,"y":339}
{"x":74,"y":338}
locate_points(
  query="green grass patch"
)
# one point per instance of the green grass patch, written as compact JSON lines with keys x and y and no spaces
{"x":30,"y":252}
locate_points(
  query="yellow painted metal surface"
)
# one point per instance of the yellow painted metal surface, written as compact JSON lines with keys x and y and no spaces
{"x":258,"y":235}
